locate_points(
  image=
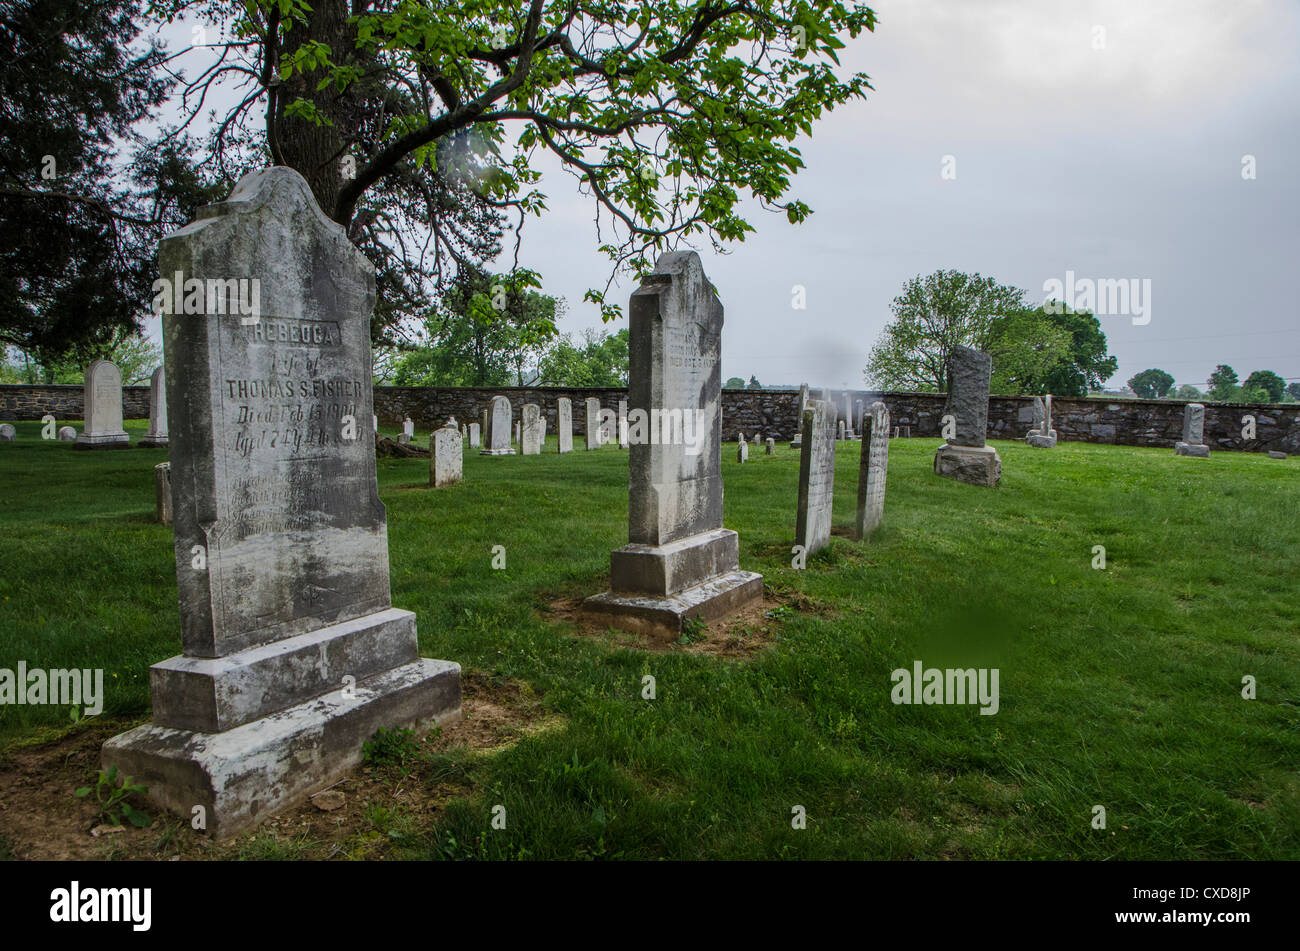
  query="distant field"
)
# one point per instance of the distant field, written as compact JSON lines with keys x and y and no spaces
{"x":1119,"y":687}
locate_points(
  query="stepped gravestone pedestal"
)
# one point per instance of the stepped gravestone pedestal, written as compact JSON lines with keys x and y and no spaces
{"x":1042,"y":436}
{"x":965,"y":457}
{"x":293,"y":655}
{"x":679,"y":563}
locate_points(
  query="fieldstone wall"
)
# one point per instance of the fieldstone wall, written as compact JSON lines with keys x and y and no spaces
{"x":1157,"y":423}
{"x":63,"y":401}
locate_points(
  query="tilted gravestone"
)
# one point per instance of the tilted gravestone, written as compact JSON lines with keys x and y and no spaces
{"x":1042,"y":436}
{"x":1193,"y":441}
{"x":593,"y":431}
{"x":157,"y":434}
{"x":533,"y":431}
{"x":497,"y":435}
{"x":965,"y":457}
{"x":873,"y":467}
{"x":103,"y":408}
{"x":446,"y":457}
{"x":812,"y":527}
{"x":67,"y":434}
{"x":564,"y":424}
{"x":293,"y":656}
{"x":679,"y":562}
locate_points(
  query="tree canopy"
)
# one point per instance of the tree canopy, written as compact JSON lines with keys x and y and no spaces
{"x":1151,"y":384}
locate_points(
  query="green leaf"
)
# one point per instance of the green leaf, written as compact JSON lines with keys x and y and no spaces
{"x":82,"y":792}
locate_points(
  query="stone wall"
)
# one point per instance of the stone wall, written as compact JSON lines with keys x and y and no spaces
{"x":63,"y":401}
{"x":1157,"y":423}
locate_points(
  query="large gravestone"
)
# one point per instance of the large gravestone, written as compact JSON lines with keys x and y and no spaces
{"x":564,"y":424}
{"x":497,"y":435}
{"x":593,"y":430}
{"x":533,"y":431}
{"x":812,"y":527}
{"x":446,"y":457}
{"x":103,"y":408}
{"x":1193,"y":441}
{"x":679,"y":562}
{"x":873,"y":467}
{"x":157,"y":434}
{"x":1042,"y":436}
{"x":293,"y":655}
{"x":964,"y":456}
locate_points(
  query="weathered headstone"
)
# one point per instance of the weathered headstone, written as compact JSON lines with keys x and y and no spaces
{"x":103,"y":408}
{"x":593,"y":433}
{"x":564,"y":424}
{"x":839,"y":430}
{"x":797,"y":441}
{"x":408,"y":428}
{"x":293,"y":656}
{"x":771,"y":444}
{"x":622,"y":424}
{"x":473,"y":435}
{"x":162,"y":477}
{"x":812,"y":527}
{"x":859,"y":421}
{"x":533,"y":430}
{"x":484,"y":427}
{"x":403,"y":439}
{"x":742,"y":451}
{"x":1276,"y":454}
{"x":965,"y":457}
{"x":1043,"y":436}
{"x":757,"y":440}
{"x":873,"y":467}
{"x":67,"y":434}
{"x":518,"y":436}
{"x":446,"y":457}
{"x":679,"y":562}
{"x":7,"y":433}
{"x":1193,"y":441}
{"x":848,"y":416}
{"x":497,"y":435}
{"x":157,"y":434}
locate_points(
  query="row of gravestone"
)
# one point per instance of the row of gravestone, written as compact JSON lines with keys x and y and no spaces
{"x":103,"y":412}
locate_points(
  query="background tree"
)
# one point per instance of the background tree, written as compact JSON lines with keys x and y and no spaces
{"x":1264,"y":382}
{"x":601,"y":360}
{"x":1293,"y":390}
{"x":931,"y":316}
{"x":1189,"y":393}
{"x":735,"y":383}
{"x":664,"y":112}
{"x":753,"y":383}
{"x":1223,"y":384}
{"x":1089,"y":365}
{"x":1026,"y":347}
{"x":486,"y":331}
{"x":1151,"y":384}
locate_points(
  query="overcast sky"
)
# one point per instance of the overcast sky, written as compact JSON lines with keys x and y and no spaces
{"x":1120,"y":162}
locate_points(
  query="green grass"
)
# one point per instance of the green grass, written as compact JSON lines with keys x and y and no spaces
{"x":1119,"y":687}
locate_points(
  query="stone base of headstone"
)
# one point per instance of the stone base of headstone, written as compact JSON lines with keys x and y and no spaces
{"x":975,"y":465}
{"x":103,"y":441}
{"x":797,"y":442}
{"x":152,"y":442}
{"x":1187,"y":449}
{"x":1274,"y":454}
{"x":1041,"y":441}
{"x":655,"y":589}
{"x":497,"y":452}
{"x":221,"y":737}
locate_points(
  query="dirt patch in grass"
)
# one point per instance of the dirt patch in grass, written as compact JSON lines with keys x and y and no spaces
{"x":373,"y":813}
{"x":737,"y":635}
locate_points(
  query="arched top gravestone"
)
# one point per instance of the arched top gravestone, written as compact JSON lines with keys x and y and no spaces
{"x":103,"y":408}
{"x":293,"y":654}
{"x":264,"y":475}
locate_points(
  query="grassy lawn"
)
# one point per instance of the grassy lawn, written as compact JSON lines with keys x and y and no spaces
{"x":1118,"y":687}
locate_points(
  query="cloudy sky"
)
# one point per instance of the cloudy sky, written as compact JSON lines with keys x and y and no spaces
{"x":1120,"y":162}
{"x":1100,"y":137}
